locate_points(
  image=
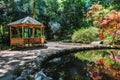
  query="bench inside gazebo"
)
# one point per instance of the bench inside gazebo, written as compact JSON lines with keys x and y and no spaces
{"x":26,"y":31}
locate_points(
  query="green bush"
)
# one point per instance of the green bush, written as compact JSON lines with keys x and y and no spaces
{"x":85,"y":35}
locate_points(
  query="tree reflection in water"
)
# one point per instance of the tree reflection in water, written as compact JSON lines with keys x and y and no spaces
{"x":90,"y":65}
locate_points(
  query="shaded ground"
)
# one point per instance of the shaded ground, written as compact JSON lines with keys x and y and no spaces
{"x":9,"y":60}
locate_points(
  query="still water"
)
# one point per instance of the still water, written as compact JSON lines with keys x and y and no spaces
{"x":88,"y":65}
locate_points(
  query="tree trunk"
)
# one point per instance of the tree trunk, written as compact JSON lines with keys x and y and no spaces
{"x":34,"y":8}
{"x":113,"y":55}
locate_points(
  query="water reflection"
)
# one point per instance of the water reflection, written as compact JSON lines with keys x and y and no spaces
{"x":89,"y":65}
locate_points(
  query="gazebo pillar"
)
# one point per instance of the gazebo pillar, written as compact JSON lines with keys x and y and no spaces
{"x":43,"y":31}
{"x":42,"y":36}
{"x":33,"y":31}
{"x":10,"y":35}
{"x":23,"y":34}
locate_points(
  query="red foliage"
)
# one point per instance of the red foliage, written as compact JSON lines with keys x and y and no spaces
{"x":95,"y":13}
{"x":108,"y":23}
{"x":95,"y":77}
{"x":101,"y":62}
{"x":111,"y":24}
{"x":114,"y":12}
{"x":102,"y":37}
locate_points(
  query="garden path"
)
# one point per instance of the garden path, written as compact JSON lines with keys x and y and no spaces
{"x":9,"y":60}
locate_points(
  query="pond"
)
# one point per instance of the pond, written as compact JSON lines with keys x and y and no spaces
{"x":88,"y":65}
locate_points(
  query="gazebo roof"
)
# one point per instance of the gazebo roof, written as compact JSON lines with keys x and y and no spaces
{"x":26,"y":20}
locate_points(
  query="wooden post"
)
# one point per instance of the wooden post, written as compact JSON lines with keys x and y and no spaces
{"x":43,"y":30}
{"x":23,"y":35}
{"x":10,"y":35}
{"x":33,"y":31}
{"x":29,"y":35}
{"x":42,"y":35}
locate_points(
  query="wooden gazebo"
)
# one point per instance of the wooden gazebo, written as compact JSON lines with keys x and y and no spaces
{"x":26,"y":31}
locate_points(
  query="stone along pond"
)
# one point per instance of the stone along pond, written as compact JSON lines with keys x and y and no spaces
{"x":70,"y":64}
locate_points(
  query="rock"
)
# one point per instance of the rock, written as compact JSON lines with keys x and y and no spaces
{"x":21,"y":78}
{"x":60,"y":78}
{"x":41,"y":76}
{"x":47,"y":78}
{"x":96,"y":42}
{"x":55,"y":60}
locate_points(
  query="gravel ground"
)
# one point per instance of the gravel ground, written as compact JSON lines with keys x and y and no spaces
{"x":9,"y":60}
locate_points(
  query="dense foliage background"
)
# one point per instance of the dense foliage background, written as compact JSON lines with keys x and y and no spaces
{"x":80,"y":21}
{"x":60,"y":17}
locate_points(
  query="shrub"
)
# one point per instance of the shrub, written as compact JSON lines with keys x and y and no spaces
{"x":85,"y":35}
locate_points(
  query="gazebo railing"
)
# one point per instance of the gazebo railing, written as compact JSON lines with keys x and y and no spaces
{"x":32,"y":40}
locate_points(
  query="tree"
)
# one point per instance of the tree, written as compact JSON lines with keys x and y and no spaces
{"x":95,"y":14}
{"x":68,"y":13}
{"x":110,"y":25}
